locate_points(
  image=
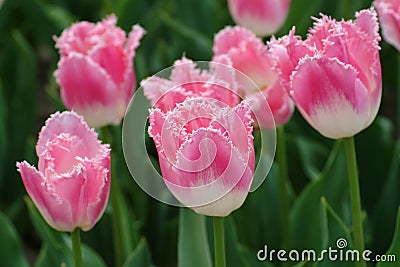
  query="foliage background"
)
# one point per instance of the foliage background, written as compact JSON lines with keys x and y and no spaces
{"x":320,"y":210}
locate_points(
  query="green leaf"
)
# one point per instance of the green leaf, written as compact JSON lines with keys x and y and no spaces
{"x":306,"y":216}
{"x":140,"y":256}
{"x":192,"y":240}
{"x":394,"y":248}
{"x":10,"y":245}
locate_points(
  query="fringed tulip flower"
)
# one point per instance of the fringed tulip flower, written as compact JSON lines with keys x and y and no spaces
{"x":188,"y":81}
{"x":334,"y":76}
{"x":206,"y":153}
{"x":95,"y":71}
{"x":263,"y":17}
{"x":389,"y":16}
{"x":250,"y":56}
{"x":72,"y":183}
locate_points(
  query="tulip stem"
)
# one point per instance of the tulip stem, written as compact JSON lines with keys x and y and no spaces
{"x":76,"y":247}
{"x":219,"y":241}
{"x":398,"y":100}
{"x":347,"y":9}
{"x":283,"y":192}
{"x":121,"y":235}
{"x":355,"y":199}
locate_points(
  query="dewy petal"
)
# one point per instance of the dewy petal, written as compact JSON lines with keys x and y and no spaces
{"x":55,"y":210}
{"x":330,"y":97}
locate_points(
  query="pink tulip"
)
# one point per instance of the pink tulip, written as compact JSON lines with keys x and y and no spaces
{"x":334,"y":76}
{"x":95,"y":71}
{"x":72,"y":183}
{"x":389,"y":16}
{"x":206,"y":153}
{"x":263,"y":17}
{"x":188,"y":81}
{"x":250,"y":56}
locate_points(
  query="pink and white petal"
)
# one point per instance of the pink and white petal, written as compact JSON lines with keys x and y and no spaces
{"x":99,"y":115}
{"x":280,"y":104}
{"x":367,"y":21}
{"x":330,"y":97}
{"x":67,"y":123}
{"x":83,"y":82}
{"x":193,"y":187}
{"x":231,"y":38}
{"x":76,"y":39}
{"x":95,"y":195}
{"x":285,"y":53}
{"x":106,"y":31}
{"x":112,"y":59}
{"x":230,"y":201}
{"x":262,"y":17}
{"x":54,"y":209}
{"x":185,"y":72}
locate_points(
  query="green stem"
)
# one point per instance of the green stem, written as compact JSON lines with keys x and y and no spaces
{"x":347,"y":9}
{"x":283,"y":192}
{"x":398,"y":100}
{"x":355,"y":199}
{"x":120,"y":236}
{"x":219,"y":242}
{"x":76,"y":247}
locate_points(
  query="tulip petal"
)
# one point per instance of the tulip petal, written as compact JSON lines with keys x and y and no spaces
{"x":53,"y":208}
{"x":71,"y":123}
{"x":263,"y":17}
{"x":330,"y":97}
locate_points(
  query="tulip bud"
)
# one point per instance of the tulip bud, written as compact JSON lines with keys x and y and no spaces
{"x":334,"y":76}
{"x":263,"y":17}
{"x":72,"y":183}
{"x":206,"y":153}
{"x":95,"y":71}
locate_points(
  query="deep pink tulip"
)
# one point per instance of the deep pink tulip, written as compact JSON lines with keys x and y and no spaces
{"x":250,"y":56}
{"x":72,"y":183}
{"x":334,"y":76}
{"x":263,"y":17}
{"x":187,"y":80}
{"x":206,"y":153}
{"x":389,"y":17}
{"x":95,"y":71}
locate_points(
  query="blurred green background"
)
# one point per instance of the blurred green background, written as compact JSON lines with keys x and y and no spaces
{"x":320,"y":210}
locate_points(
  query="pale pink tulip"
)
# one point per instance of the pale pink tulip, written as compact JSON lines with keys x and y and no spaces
{"x":206,"y":153}
{"x":263,"y":17}
{"x":389,"y":17}
{"x":72,"y":183}
{"x":188,"y":81}
{"x":95,"y":71}
{"x":250,"y":56}
{"x":334,"y":76}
